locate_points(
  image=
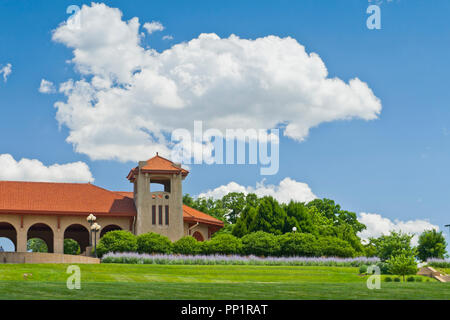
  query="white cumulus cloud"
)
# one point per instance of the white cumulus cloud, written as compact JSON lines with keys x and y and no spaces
{"x":287,"y":190}
{"x":6,"y":71}
{"x":35,"y":170}
{"x":129,"y":98}
{"x":153,"y":26}
{"x":378,"y":225}
{"x":47,"y":87}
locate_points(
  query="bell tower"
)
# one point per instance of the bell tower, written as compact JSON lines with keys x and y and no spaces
{"x":158,"y":197}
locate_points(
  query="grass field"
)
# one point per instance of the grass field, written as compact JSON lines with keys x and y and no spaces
{"x":117,"y":281}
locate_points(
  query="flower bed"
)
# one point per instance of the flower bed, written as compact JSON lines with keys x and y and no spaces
{"x":438,"y":263}
{"x":136,"y":258}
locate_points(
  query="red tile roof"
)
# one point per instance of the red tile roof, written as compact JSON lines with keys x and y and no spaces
{"x":77,"y":199}
{"x":62,"y":198}
{"x":191,"y":214}
{"x":158,"y":164}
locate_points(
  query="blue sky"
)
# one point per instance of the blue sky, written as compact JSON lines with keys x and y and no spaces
{"x":395,"y":166}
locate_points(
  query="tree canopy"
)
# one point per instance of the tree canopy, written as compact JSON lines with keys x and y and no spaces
{"x":245,"y":214}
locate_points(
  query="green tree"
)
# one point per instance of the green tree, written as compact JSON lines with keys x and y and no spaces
{"x":402,"y":264}
{"x":245,"y":222}
{"x":298,"y":216}
{"x":432,"y":244}
{"x":71,"y":247}
{"x":36,"y":245}
{"x":235,"y":203}
{"x":333,"y":211}
{"x":270,"y":217}
{"x":392,"y":245}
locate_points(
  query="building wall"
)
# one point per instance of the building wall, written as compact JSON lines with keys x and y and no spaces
{"x":145,"y":199}
{"x":201,"y":228}
{"x":38,"y":257}
{"x":22,"y":224}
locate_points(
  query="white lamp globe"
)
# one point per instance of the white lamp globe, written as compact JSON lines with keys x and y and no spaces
{"x":294,"y":229}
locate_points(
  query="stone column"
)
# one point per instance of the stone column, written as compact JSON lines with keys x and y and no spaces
{"x":21,"y":240}
{"x":58,"y":241}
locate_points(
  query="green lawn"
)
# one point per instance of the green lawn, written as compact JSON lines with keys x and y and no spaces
{"x":117,"y":281}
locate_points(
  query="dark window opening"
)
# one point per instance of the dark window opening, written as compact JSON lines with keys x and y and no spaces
{"x":153,"y":214}
{"x":167,"y":215}
{"x":160,"y":215}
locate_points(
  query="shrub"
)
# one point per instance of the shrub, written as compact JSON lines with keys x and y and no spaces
{"x":117,"y":241}
{"x":410,"y":279}
{"x":419,"y":279}
{"x":153,"y":243}
{"x":397,"y":279}
{"x":384,"y":267}
{"x":187,"y":245}
{"x":403,"y":265}
{"x":388,"y":279}
{"x":71,"y":247}
{"x":335,"y":247}
{"x":363,"y":269}
{"x":222,"y":243}
{"x":298,"y":244}
{"x":261,"y":243}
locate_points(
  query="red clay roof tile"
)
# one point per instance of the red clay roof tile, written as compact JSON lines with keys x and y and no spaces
{"x":62,"y":198}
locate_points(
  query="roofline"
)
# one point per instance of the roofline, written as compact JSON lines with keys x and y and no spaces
{"x":204,"y":221}
{"x":66,"y":213}
{"x":108,"y":214}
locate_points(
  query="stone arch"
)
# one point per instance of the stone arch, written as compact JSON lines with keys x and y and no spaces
{"x":108,"y":228}
{"x":42,"y":231}
{"x":198,"y":236}
{"x":8,"y":231}
{"x":79,"y":233}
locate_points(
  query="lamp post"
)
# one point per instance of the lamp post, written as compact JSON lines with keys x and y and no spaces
{"x":91,"y":219}
{"x":294,"y":229}
{"x":95,"y":228}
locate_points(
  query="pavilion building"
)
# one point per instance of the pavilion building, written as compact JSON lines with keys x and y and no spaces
{"x":57,"y":211}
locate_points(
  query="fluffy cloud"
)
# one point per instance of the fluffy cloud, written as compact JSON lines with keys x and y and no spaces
{"x":129,"y":99}
{"x":167,"y":37}
{"x":153,"y":26}
{"x":6,"y":71}
{"x":46,"y":86}
{"x":378,"y":225}
{"x":34,"y":170}
{"x":286,"y":191}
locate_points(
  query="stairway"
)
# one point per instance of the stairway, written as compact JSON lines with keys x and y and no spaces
{"x":433,"y":273}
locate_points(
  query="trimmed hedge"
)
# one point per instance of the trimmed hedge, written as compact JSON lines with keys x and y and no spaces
{"x":117,"y":241}
{"x":335,"y":247}
{"x":222,"y":244}
{"x":187,"y":245}
{"x":258,"y":243}
{"x":299,"y":244}
{"x":261,"y":244}
{"x":153,"y":243}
